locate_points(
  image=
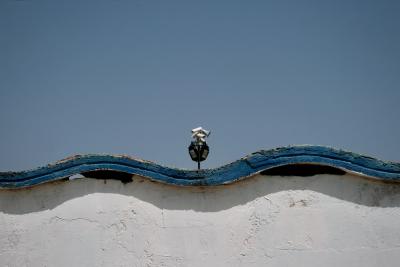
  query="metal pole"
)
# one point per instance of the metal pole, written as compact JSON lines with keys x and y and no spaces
{"x":198,"y":157}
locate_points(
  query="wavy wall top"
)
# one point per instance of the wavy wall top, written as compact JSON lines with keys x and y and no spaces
{"x":258,"y":162}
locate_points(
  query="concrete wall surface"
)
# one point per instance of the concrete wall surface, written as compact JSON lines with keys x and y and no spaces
{"x":323,"y":220}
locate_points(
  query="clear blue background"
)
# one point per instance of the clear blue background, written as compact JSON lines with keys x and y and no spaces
{"x":134,"y":77}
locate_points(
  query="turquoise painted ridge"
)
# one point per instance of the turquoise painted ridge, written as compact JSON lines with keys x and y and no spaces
{"x":250,"y":165}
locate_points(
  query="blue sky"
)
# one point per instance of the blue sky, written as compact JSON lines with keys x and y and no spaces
{"x":134,"y":77}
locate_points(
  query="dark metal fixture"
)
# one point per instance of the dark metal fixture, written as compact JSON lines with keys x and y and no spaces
{"x":198,"y":148}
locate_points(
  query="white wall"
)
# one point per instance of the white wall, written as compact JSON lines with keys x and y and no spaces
{"x":322,"y":220}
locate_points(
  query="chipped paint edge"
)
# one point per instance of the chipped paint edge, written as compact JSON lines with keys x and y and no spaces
{"x":238,"y":170}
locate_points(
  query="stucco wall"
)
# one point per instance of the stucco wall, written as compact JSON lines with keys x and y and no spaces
{"x":323,"y":220}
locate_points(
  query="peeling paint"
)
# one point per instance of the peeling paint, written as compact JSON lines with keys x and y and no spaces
{"x":294,"y":159}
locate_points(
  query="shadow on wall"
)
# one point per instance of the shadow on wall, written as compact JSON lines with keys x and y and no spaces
{"x":347,"y":187}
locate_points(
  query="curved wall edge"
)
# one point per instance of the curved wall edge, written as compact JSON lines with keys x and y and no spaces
{"x":248,"y":166}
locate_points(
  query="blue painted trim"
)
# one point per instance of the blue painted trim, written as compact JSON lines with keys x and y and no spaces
{"x":247,"y":166}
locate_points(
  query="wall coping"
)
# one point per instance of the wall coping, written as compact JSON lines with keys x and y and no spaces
{"x":250,"y":165}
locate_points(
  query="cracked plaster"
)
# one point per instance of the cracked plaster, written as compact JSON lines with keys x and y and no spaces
{"x":323,"y":220}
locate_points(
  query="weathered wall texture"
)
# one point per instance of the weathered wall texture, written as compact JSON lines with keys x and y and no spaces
{"x":324,"y":220}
